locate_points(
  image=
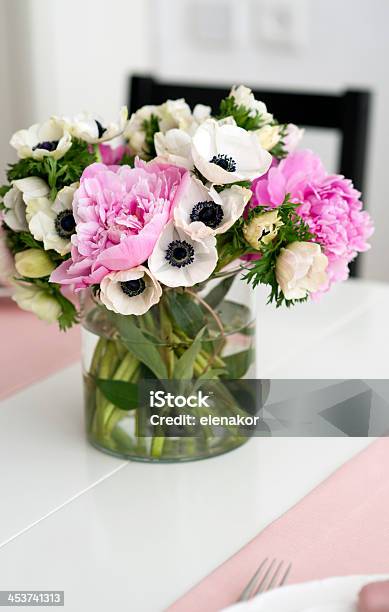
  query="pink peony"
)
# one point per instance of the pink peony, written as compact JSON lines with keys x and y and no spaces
{"x":110,"y":156}
{"x":120,"y":213}
{"x":329,"y":204}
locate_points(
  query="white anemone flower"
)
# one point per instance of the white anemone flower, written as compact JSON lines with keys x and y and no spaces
{"x":174,"y":147}
{"x":53,"y":222}
{"x":228,"y":154}
{"x":130,"y":292}
{"x":243,"y":96}
{"x":202,"y":212}
{"x":93,"y":129}
{"x":180,"y":261}
{"x":17,"y":197}
{"x":134,"y":132}
{"x":49,"y":139}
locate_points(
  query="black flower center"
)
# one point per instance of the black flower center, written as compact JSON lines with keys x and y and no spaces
{"x":47,"y":145}
{"x":100,"y":128}
{"x":179,"y":253}
{"x":65,"y":224}
{"x":209,"y":213}
{"x":132,"y":288}
{"x":224,"y":161}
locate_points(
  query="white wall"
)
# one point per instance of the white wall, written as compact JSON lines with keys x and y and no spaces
{"x":347,"y":46}
{"x":64,"y":56}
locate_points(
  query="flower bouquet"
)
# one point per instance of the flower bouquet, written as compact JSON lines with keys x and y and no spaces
{"x":163,"y":234}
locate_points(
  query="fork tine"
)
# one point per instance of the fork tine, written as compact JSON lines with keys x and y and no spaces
{"x":273,"y":578}
{"x":260,"y":587}
{"x":284,"y":577}
{"x":246,"y":593}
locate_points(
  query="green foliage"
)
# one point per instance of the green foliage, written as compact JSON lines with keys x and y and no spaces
{"x":69,"y":315}
{"x":150,"y":127}
{"x":219,"y":188}
{"x":187,"y":315}
{"x":219,"y":292}
{"x":3,"y":190}
{"x":127,"y":160}
{"x":238,"y":364}
{"x":122,"y":394}
{"x":245,"y":118}
{"x":183,"y":369}
{"x":139,"y":345}
{"x":279,"y":150}
{"x":56,"y":172}
{"x":262,"y":271}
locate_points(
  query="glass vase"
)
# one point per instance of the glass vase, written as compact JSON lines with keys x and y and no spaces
{"x":194,"y":341}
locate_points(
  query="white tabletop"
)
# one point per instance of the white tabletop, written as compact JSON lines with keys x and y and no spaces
{"x":125,"y":536}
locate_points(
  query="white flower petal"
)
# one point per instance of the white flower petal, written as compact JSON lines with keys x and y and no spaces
{"x":52,"y":131}
{"x":202,"y":258}
{"x":248,"y":159}
{"x":174,"y":147}
{"x":115,"y":299}
{"x":232,"y":202}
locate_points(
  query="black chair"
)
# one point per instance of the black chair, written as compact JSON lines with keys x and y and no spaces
{"x":347,"y":112}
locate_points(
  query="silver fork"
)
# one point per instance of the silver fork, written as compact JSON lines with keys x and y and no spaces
{"x":268,"y":576}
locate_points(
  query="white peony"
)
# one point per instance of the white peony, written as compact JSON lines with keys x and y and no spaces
{"x":94,"y":129}
{"x":38,"y":301}
{"x":268,"y":136}
{"x":301,"y":269}
{"x":294,"y":134}
{"x":262,"y":229}
{"x":130,"y":292}
{"x":134,"y":132}
{"x":202,"y":212}
{"x":180,"y":261}
{"x":227,"y":154}
{"x":174,"y":147}
{"x":243,"y":96}
{"x":48,"y":139}
{"x":53,"y":222}
{"x":16,"y":198}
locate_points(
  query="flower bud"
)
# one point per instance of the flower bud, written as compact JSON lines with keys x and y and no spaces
{"x":301,"y":269}
{"x":33,"y":263}
{"x":268,"y":136}
{"x":38,"y":301}
{"x":262,"y":229}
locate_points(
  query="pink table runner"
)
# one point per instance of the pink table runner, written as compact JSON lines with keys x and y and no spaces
{"x":340,"y":528}
{"x":31,"y":349}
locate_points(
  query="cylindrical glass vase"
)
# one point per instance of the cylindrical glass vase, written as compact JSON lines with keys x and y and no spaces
{"x":193,"y":339}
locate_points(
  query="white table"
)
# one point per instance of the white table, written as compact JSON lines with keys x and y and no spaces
{"x":133,"y":537}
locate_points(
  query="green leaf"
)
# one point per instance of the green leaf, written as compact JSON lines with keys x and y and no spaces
{"x":212,"y":374}
{"x":244,"y":117}
{"x":238,"y":364}
{"x":183,"y":369}
{"x":122,"y":394}
{"x":219,"y":292}
{"x":187,"y":314}
{"x":150,"y":127}
{"x":57,"y":173}
{"x":139,"y":345}
{"x":69,"y":315}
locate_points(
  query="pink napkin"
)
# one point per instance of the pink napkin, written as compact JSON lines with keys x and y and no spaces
{"x":31,"y":349}
{"x":340,"y":528}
